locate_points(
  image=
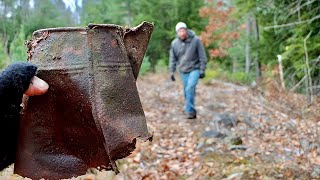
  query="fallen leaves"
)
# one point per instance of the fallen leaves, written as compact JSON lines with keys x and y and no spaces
{"x":280,"y":136}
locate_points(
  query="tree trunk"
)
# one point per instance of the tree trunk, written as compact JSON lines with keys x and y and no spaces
{"x":234,"y":65}
{"x":256,"y":57}
{"x":247,"y":53}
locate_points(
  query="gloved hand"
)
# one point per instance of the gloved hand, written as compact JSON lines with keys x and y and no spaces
{"x":172,"y":77}
{"x":15,"y":80}
{"x":202,"y":75}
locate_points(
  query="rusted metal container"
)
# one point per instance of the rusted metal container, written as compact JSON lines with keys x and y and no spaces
{"x":92,"y":114}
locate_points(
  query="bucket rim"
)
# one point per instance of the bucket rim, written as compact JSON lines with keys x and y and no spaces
{"x":68,"y":29}
{"x":59,"y":29}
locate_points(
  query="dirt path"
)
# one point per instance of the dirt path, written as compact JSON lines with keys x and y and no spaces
{"x":278,"y":134}
{"x":240,"y":133}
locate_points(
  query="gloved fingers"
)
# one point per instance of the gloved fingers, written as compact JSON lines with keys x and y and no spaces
{"x":37,"y":87}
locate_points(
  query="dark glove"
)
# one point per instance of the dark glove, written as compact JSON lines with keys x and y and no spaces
{"x":172,"y":77}
{"x":14,"y":81}
{"x":202,"y":75}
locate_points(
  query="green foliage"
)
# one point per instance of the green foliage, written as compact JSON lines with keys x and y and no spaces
{"x":288,"y":41}
{"x":211,"y":74}
{"x":18,"y":20}
{"x":4,"y":58}
{"x":17,"y":47}
{"x":235,"y":60}
{"x":188,"y":12}
{"x":133,"y":12}
{"x":240,"y":78}
{"x":172,"y":11}
{"x":145,"y":66}
{"x":46,"y":14}
{"x":52,"y":13}
{"x":103,"y":11}
{"x":218,"y":71}
{"x":164,"y":27}
{"x":162,"y":65}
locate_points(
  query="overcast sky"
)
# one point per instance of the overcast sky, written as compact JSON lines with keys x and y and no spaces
{"x":72,"y":4}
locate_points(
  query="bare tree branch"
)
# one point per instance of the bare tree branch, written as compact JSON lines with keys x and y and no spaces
{"x":299,"y":13}
{"x":310,"y":91}
{"x":290,"y":6}
{"x":301,"y":6}
{"x":293,"y":23}
{"x":298,"y":84}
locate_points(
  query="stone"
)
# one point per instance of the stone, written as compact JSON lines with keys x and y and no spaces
{"x":316,"y":172}
{"x":235,"y":176}
{"x":213,"y":134}
{"x":236,"y":141}
{"x":225,"y":120}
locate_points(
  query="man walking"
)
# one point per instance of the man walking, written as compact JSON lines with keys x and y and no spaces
{"x":188,"y":55}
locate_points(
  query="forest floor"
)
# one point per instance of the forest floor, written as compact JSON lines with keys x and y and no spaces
{"x":240,"y":132}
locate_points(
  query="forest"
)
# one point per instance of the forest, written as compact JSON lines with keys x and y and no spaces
{"x":243,"y":39}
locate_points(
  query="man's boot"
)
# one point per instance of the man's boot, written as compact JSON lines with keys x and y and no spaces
{"x":191,"y":115}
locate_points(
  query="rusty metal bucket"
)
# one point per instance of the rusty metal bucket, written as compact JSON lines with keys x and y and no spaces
{"x":92,"y":114}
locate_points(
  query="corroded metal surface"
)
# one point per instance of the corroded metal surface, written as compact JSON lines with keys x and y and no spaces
{"x":92,"y":114}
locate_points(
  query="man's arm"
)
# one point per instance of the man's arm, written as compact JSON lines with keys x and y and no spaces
{"x":172,"y":60}
{"x":202,"y":58}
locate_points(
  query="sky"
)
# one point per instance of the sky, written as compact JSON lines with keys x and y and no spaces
{"x":71,"y":4}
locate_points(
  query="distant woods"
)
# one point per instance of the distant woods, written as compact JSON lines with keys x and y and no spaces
{"x":243,"y":38}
